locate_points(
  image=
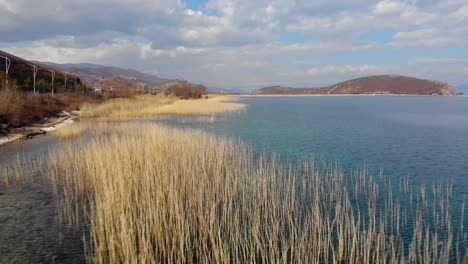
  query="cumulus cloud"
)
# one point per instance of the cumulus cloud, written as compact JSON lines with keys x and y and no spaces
{"x":239,"y":42}
{"x":347,"y":69}
{"x":388,"y":7}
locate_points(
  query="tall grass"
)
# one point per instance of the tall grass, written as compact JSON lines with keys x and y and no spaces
{"x":71,"y":131}
{"x":158,"y":195}
{"x":22,"y":171}
{"x":145,"y":105}
{"x":215,"y":104}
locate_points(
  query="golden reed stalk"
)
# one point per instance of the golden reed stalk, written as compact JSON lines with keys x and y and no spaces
{"x":158,"y":195}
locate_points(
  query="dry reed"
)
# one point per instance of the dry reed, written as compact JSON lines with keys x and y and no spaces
{"x":215,"y":104}
{"x":147,"y":105}
{"x":158,"y":195}
{"x":71,"y":131}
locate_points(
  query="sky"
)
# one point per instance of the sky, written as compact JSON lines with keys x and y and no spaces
{"x":244,"y":43}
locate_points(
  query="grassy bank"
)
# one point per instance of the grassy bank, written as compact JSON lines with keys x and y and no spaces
{"x":147,"y":105}
{"x":154,"y":194}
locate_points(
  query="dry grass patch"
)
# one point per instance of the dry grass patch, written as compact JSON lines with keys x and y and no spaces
{"x":141,"y":105}
{"x":215,"y":104}
{"x":158,"y":195}
{"x":146,"y":105}
{"x":72,"y":131}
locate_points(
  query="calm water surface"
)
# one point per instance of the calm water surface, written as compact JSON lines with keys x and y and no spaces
{"x":422,"y":138}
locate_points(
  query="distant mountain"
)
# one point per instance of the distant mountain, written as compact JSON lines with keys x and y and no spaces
{"x":21,"y":70}
{"x":93,"y":75}
{"x":225,"y":90}
{"x":380,"y":84}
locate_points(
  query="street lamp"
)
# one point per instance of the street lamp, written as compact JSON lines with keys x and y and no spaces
{"x":7,"y":66}
{"x":34,"y":76}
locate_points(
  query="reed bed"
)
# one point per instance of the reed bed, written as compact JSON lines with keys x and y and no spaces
{"x":71,"y":131}
{"x":149,"y":105}
{"x":152,"y":194}
{"x":23,"y":171}
{"x":127,"y":107}
{"x":213,"y":105}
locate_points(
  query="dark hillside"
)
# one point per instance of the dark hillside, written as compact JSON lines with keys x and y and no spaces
{"x":21,"y":71}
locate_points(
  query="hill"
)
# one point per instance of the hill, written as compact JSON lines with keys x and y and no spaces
{"x":93,"y":75}
{"x":380,"y":84}
{"x":21,"y":71}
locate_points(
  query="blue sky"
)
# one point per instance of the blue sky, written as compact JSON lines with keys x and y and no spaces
{"x":195,"y":4}
{"x":244,"y":43}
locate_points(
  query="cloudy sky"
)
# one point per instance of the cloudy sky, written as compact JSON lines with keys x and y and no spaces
{"x":246,"y":43}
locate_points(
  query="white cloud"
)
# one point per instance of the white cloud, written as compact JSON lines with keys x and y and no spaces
{"x":388,"y":7}
{"x":461,"y":14}
{"x":356,"y":70}
{"x":413,"y":16}
{"x":341,"y":24}
{"x":440,"y":60}
{"x":429,"y":37}
{"x":413,"y":35}
{"x":237,"y":42}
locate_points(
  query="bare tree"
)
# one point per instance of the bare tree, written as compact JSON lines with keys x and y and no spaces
{"x":34,"y":76}
{"x":7,"y":67}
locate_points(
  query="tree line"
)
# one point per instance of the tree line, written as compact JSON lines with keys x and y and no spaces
{"x":186,"y":90}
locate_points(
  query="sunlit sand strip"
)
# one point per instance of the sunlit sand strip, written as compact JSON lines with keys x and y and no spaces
{"x":147,"y":105}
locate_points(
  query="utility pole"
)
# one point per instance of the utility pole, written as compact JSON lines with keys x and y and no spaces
{"x":53,"y":77}
{"x":7,"y":67}
{"x":34,"y":76}
{"x":66,"y":79}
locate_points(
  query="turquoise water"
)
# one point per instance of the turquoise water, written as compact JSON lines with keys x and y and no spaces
{"x":422,"y":138}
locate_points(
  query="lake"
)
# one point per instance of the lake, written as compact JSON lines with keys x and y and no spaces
{"x":421,"y":138}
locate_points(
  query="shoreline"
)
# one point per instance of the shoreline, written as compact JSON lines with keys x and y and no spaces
{"x":28,"y":132}
{"x":216,"y":103}
{"x":343,"y":95}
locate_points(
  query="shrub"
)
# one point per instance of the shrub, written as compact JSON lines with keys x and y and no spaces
{"x":186,"y":90}
{"x":19,"y":108}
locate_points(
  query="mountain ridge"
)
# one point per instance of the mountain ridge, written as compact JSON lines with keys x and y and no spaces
{"x":93,"y":75}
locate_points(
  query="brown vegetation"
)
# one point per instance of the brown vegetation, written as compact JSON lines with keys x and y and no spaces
{"x":186,"y":90}
{"x":114,"y":89}
{"x":20,"y":109}
{"x":71,"y":131}
{"x":159,"y":195}
{"x":150,"y":105}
